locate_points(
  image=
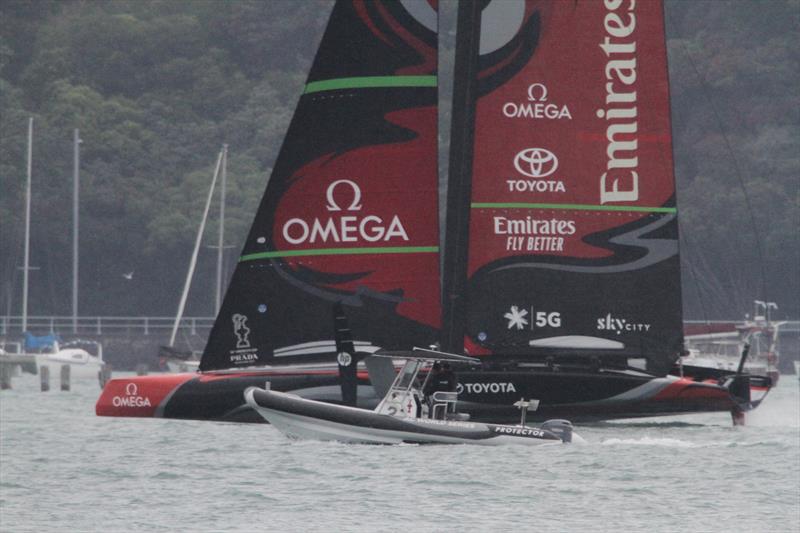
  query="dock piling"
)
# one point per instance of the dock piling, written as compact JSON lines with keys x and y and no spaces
{"x":104,"y":375}
{"x":65,"y":372}
{"x":5,"y":376}
{"x":44,"y":374}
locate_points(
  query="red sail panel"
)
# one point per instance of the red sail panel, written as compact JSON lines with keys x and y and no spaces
{"x":377,"y":207}
{"x":350,"y":214}
{"x":572,"y":232}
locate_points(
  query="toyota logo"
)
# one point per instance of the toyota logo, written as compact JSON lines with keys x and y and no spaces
{"x":131,"y":389}
{"x":536,"y":162}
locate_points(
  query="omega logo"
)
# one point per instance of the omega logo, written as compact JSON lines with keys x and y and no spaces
{"x":341,"y":227}
{"x":532,"y":88}
{"x":355,"y":205}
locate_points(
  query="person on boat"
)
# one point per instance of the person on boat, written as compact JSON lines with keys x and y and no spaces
{"x":442,"y":379}
{"x":449,"y":378}
{"x":432,"y":383}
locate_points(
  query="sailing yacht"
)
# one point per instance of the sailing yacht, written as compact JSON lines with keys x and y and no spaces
{"x":560,"y":254}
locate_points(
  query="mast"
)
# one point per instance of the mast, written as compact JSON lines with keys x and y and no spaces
{"x":187,"y":284}
{"x":76,"y":141}
{"x":459,"y":189}
{"x":26,"y":264}
{"x":220,"y":246}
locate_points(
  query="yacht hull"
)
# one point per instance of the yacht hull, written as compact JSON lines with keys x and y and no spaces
{"x":84,"y":369}
{"x":485,"y":395}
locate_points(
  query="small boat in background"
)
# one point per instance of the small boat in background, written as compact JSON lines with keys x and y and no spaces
{"x":174,"y":360}
{"x":403,"y":416}
{"x":720,"y":347}
{"x":49,"y":350}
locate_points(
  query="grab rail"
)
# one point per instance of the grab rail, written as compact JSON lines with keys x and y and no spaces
{"x":445,"y":402}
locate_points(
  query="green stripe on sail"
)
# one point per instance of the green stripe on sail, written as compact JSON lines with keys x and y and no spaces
{"x":341,"y":251}
{"x":366,"y":82}
{"x":574,"y":207}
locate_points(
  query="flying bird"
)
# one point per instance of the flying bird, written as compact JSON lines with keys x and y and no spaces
{"x":128,"y":275}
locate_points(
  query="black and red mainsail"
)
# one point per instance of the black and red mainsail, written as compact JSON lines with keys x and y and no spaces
{"x":570,"y":244}
{"x":350,"y":214}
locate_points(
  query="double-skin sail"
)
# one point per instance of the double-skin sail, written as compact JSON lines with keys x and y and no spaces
{"x":562,"y":160}
{"x":350,"y":213}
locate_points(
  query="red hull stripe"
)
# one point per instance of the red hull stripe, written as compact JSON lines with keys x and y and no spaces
{"x":688,"y":389}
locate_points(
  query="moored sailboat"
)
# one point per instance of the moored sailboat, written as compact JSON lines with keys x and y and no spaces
{"x":561,"y":268}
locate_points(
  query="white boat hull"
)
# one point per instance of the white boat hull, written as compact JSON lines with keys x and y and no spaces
{"x":84,"y":368}
{"x":182,"y":366}
{"x":328,"y":422}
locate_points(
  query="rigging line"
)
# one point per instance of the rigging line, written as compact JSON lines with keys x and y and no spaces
{"x":737,"y":168}
{"x":686,"y":256}
{"x":715,"y":287}
{"x":711,"y":282}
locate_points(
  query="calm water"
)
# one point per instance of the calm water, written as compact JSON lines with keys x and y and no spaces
{"x":64,"y":469}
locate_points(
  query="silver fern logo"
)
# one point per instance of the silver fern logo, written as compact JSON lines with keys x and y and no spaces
{"x":516,"y":317}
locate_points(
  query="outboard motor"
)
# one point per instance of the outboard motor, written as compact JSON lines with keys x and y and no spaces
{"x":561,"y":428}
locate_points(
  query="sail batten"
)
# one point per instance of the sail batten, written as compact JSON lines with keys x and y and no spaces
{"x":575,"y":207}
{"x":341,"y":251}
{"x":364,"y":82}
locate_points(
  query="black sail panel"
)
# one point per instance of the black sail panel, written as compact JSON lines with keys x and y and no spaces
{"x":350,"y":210}
{"x":571,"y":239}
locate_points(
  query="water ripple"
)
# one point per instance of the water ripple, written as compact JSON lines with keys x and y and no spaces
{"x":63,"y":469}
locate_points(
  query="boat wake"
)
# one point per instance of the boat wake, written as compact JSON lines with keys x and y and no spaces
{"x":645,"y":425}
{"x":655,"y":441}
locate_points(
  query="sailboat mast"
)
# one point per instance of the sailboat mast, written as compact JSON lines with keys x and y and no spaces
{"x":459,"y":189}
{"x":221,"y":243}
{"x":76,"y":141}
{"x":193,"y":262}
{"x":26,"y":263}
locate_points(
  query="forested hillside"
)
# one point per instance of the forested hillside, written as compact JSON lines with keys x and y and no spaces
{"x":156,"y":87}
